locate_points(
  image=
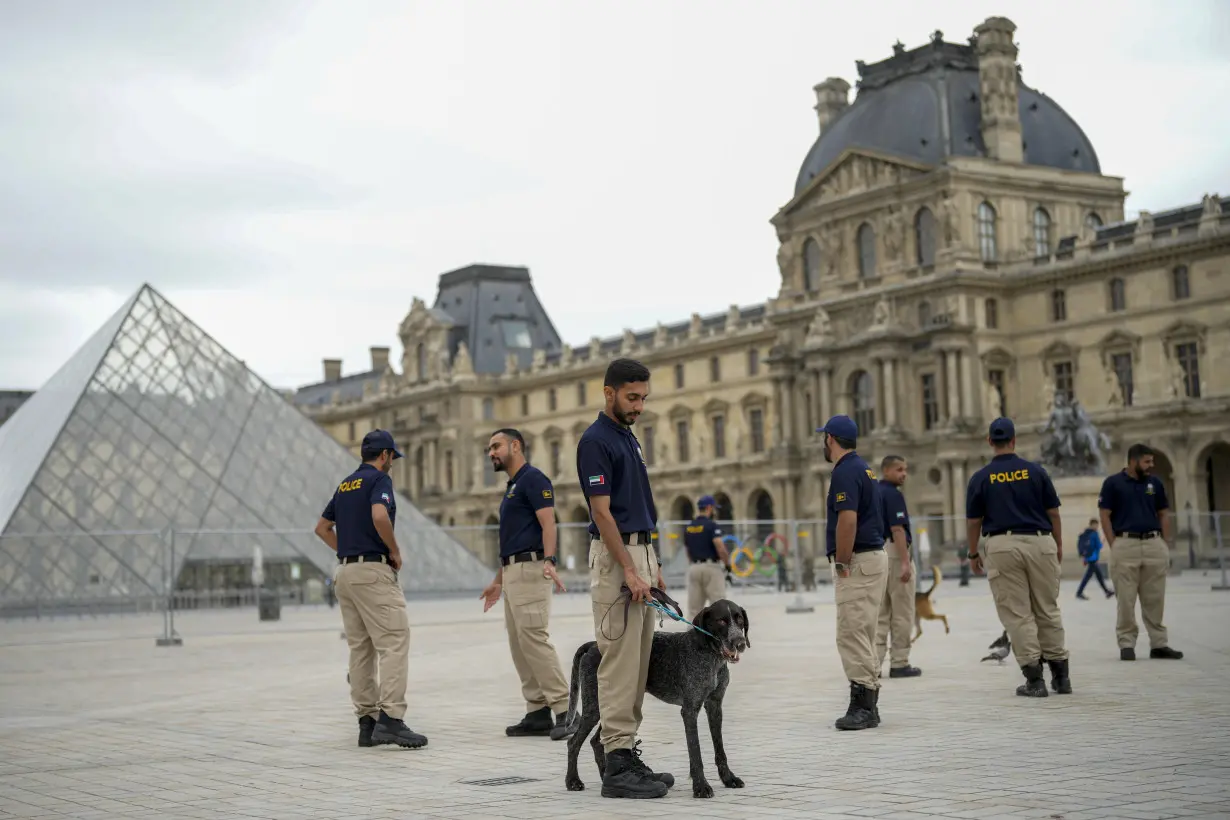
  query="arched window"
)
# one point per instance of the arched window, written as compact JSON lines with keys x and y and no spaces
{"x":1118,"y":295}
{"x":924,"y":313}
{"x":866,"y":251}
{"x":863,"y":400}
{"x":1093,"y":221}
{"x":924,"y":237}
{"x":1042,"y":232}
{"x":1180,"y":284}
{"x":811,"y":265}
{"x":986,"y":232}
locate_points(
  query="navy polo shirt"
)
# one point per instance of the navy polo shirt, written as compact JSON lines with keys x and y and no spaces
{"x":895,"y":512}
{"x":1011,"y":493}
{"x":525,"y":494}
{"x":609,"y":462}
{"x":351,"y":509}
{"x":1134,"y":503}
{"x":853,"y":486}
{"x":698,"y":538}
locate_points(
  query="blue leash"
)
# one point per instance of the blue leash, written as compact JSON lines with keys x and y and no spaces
{"x":652,"y":603}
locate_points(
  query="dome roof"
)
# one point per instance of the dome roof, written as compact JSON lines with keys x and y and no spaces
{"x":924,"y":105}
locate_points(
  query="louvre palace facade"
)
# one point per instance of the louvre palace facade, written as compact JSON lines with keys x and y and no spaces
{"x":951,"y":250}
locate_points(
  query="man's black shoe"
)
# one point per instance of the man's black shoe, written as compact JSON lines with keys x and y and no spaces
{"x":860,"y":714}
{"x":1060,"y":681}
{"x":624,"y":779}
{"x":534,"y":724}
{"x":1082,"y":596}
{"x":393,"y":732}
{"x":366,"y":724}
{"x":666,"y":778}
{"x":1127,"y":653}
{"x":906,"y":671}
{"x":1034,"y":685}
{"x":562,"y":727}
{"x":1165,"y":653}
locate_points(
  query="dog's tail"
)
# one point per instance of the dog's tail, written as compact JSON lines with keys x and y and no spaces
{"x":936,"y":577}
{"x":574,"y":683}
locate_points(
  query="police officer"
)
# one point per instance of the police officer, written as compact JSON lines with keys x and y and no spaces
{"x":1012,"y":503}
{"x":897,"y":608}
{"x":1136,"y":519}
{"x":528,"y":541}
{"x":615,"y":483}
{"x":855,"y":547}
{"x":363,"y":510}
{"x":707,"y":558}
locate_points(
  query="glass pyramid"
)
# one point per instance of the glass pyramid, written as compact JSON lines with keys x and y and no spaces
{"x":153,"y":441}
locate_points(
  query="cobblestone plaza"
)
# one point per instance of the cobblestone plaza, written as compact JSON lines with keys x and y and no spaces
{"x":252,"y":719}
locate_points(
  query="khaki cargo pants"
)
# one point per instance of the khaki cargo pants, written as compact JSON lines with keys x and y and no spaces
{"x":706,"y":584}
{"x":374,"y":616}
{"x":1138,"y":569}
{"x":624,"y":668}
{"x":527,"y":611}
{"x":896,"y":615}
{"x":858,"y":598}
{"x":1023,"y":572}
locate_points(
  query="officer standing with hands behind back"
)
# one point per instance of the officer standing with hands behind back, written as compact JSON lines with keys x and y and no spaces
{"x":855,"y":547}
{"x":707,"y":558}
{"x":363,"y":510}
{"x":1012,"y":503}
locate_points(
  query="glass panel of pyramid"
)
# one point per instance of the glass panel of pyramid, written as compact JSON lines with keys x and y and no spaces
{"x":153,"y":445}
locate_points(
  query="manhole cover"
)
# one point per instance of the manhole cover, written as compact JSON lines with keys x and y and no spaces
{"x":500,"y":781}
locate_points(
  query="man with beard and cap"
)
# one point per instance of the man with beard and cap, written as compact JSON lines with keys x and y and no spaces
{"x":897,"y":608}
{"x":1136,"y":520}
{"x":615,"y":482}
{"x":1012,"y":504}
{"x":528,"y":541}
{"x":357,"y":524}
{"x":707,"y":558}
{"x":855,"y":547}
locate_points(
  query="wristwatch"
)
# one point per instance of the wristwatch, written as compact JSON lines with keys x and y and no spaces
{"x":971,"y":556}
{"x":553,"y":559}
{"x":840,"y":567}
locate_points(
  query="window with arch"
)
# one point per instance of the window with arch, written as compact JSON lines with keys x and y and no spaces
{"x":1059,"y":305}
{"x":924,"y":313}
{"x":866,"y":251}
{"x":1093,"y":221}
{"x":811,"y":265}
{"x":1118,"y":294}
{"x":924,"y":237}
{"x":1180,"y":284}
{"x":1042,"y":232}
{"x":863,"y":400}
{"x":986,"y":232}
{"x":992,"y":314}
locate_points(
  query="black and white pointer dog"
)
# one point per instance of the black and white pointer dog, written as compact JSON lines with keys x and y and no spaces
{"x":686,"y":669}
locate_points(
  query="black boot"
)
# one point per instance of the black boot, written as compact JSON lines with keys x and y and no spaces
{"x":1060,"y":681}
{"x":666,"y":778}
{"x":562,"y":728}
{"x":860,"y":714}
{"x":534,"y":723}
{"x":875,"y":707}
{"x":1166,"y":653}
{"x":366,"y":724}
{"x":624,"y":779}
{"x":393,"y":732}
{"x":1034,"y":685}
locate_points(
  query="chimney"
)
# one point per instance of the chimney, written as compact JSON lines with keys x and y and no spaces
{"x":832,"y":98}
{"x":997,"y":76}
{"x":380,"y":358}
{"x":333,"y":370}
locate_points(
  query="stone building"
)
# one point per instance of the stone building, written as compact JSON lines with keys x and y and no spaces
{"x":952,"y":251}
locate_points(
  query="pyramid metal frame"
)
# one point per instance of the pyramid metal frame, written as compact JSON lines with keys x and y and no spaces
{"x":152,"y":432}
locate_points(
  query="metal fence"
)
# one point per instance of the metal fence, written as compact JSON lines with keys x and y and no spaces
{"x":90,"y":574}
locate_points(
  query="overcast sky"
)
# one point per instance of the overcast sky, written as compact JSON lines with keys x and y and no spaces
{"x":292,"y":174}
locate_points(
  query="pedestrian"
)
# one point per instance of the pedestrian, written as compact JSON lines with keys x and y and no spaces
{"x":1136,"y":519}
{"x":897,"y":609}
{"x":615,"y":482}
{"x":357,"y":524}
{"x":528,"y":558}
{"x":855,"y":547}
{"x":1012,"y":504}
{"x":1089,"y":546}
{"x":708,"y":561}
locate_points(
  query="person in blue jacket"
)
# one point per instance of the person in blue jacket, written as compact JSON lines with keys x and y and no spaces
{"x":1089,"y":545}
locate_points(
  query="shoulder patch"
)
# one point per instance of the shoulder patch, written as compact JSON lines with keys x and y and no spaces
{"x":546,"y":493}
{"x":840,"y":497}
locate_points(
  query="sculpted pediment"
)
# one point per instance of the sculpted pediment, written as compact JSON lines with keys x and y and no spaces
{"x":421,"y":320}
{"x":856,"y":171}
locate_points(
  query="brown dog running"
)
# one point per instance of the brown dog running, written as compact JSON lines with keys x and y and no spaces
{"x":923,"y":610}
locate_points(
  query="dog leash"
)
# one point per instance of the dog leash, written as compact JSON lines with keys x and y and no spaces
{"x":659,"y":600}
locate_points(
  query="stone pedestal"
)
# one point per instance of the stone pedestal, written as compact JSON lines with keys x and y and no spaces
{"x":1078,"y":502}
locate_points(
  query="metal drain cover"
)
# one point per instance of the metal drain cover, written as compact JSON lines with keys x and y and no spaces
{"x":501,"y":781}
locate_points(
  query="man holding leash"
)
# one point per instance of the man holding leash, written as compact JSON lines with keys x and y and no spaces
{"x":528,"y":539}
{"x":707,"y":558}
{"x":855,"y":548}
{"x":897,"y":609}
{"x":615,"y":482}
{"x":1012,"y":503}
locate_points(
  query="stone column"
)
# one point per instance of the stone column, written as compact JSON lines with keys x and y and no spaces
{"x":958,"y":498}
{"x":778,"y":412}
{"x":824,"y":376}
{"x":789,"y":415}
{"x":968,"y":381}
{"x":951,"y":382}
{"x":890,"y":393}
{"x":947,"y":471}
{"x":432,"y":469}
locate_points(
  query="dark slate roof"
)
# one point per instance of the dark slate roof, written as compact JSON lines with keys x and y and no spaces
{"x":349,"y":388}
{"x":10,"y":400}
{"x":901,"y":106}
{"x":1162,"y":220}
{"x":495,"y":311}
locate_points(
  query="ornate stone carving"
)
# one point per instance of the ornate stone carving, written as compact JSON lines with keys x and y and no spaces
{"x":993,"y":402}
{"x":1177,"y":387}
{"x":539,"y":361}
{"x":694,"y":327}
{"x":819,"y":330}
{"x":787,"y":257}
{"x":659,"y":335}
{"x":629,"y":342}
{"x":595,"y":348}
{"x":882,"y":314}
{"x":732,"y":318}
{"x":1144,"y":225}
{"x":463,"y":365}
{"x":511,"y":364}
{"x":1071,"y":443}
{"x":894,"y":234}
{"x":1210,"y":206}
{"x":1114,"y":394}
{"x":950,"y":218}
{"x":832,"y":247}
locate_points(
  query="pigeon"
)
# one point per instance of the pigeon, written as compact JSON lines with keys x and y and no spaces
{"x":1000,"y":648}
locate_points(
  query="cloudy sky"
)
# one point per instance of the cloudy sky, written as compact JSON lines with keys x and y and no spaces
{"x":292,"y":174}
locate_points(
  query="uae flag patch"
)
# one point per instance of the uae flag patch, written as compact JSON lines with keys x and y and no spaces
{"x":597,"y":480}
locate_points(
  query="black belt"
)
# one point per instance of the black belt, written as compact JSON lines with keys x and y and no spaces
{"x":1015,"y":532}
{"x":704,"y":560}
{"x":1141,"y":535}
{"x":363,"y":559}
{"x":857,"y":551}
{"x":644,"y":537}
{"x":522,"y":557}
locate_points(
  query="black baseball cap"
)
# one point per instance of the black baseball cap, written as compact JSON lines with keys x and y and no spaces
{"x":380,"y":440}
{"x":1002,"y":430}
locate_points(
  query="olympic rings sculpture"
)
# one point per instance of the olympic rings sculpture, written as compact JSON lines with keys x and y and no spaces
{"x":746,"y":559}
